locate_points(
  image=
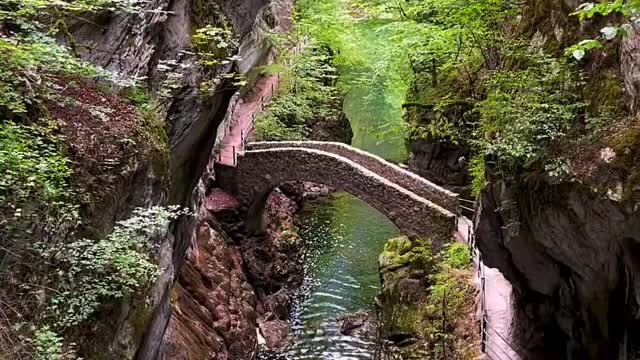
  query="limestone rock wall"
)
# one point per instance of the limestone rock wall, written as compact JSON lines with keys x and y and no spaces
{"x":572,"y":258}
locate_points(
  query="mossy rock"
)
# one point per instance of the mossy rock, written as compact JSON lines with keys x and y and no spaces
{"x":403,"y":320}
{"x":140,"y":320}
{"x":402,"y":252}
{"x":627,"y":160}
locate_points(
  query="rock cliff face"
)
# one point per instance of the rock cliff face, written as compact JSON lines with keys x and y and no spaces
{"x":213,"y":305}
{"x":572,"y":257}
{"x":570,"y":248}
{"x":154,"y":46}
{"x":234,"y":284}
{"x":444,"y":164}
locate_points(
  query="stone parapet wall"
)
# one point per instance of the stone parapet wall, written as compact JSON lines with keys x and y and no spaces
{"x":394,"y":173}
{"x":259,"y":171}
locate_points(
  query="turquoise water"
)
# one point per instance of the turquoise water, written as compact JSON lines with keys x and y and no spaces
{"x":344,"y":237}
{"x":377,"y":125}
{"x":376,"y":91}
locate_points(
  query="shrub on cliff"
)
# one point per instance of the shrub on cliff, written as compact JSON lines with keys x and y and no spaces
{"x":500,"y":86}
{"x":307,"y":94}
{"x":66,"y":144}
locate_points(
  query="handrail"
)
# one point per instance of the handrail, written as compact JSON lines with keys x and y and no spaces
{"x":468,"y":201}
{"x":488,"y":334}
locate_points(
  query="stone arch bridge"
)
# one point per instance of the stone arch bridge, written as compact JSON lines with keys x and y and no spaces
{"x":418,"y":207}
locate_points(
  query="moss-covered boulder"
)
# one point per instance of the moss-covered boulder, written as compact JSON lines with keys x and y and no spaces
{"x":404,"y":268}
{"x":426,"y":300}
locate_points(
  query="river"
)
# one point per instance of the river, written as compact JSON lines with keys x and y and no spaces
{"x":373,"y":70}
{"x":343,"y":238}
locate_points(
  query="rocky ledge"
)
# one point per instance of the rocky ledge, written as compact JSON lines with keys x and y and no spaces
{"x":234,"y":291}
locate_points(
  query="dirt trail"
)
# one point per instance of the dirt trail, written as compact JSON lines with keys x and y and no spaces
{"x":496,"y":297}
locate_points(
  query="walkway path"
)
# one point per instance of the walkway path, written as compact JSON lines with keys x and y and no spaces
{"x":495,"y":302}
{"x":243,"y":117}
{"x":244,"y":113}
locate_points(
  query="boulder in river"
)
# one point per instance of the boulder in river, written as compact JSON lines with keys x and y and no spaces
{"x":276,"y":334}
{"x":359,"y":324}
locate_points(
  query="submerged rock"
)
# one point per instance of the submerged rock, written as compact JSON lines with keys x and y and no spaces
{"x":360,"y":324}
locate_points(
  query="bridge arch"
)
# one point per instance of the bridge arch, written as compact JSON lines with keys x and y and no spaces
{"x":392,"y":172}
{"x":259,"y":171}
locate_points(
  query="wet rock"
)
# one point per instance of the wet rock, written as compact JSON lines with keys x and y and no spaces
{"x":313,"y":191}
{"x":360,"y":324}
{"x":276,"y":334}
{"x":277,"y":304}
{"x":401,"y":339}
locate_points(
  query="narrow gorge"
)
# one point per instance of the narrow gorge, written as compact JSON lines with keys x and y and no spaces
{"x":319,"y":179}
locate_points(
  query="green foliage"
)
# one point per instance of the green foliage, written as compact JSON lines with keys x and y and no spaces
{"x":477,"y":170}
{"x":47,"y":266}
{"x":151,"y":121}
{"x":307,"y":93}
{"x":27,"y":12}
{"x":50,"y":346}
{"x":457,"y":256}
{"x":89,"y":272}
{"x":269,"y":128}
{"x":482,"y":83}
{"x":627,"y":9}
{"x":579,"y":50}
{"x":32,"y":165}
{"x":27,"y":66}
{"x":525,"y":110}
{"x":370,"y":47}
{"x":449,"y":303}
{"x":212,"y":44}
{"x":30,"y":55}
{"x":589,"y":10}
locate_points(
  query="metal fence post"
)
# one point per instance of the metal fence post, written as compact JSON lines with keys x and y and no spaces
{"x":234,"y":154}
{"x":483,"y":327}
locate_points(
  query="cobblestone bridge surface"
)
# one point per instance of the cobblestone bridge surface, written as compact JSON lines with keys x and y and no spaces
{"x":390,"y":189}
